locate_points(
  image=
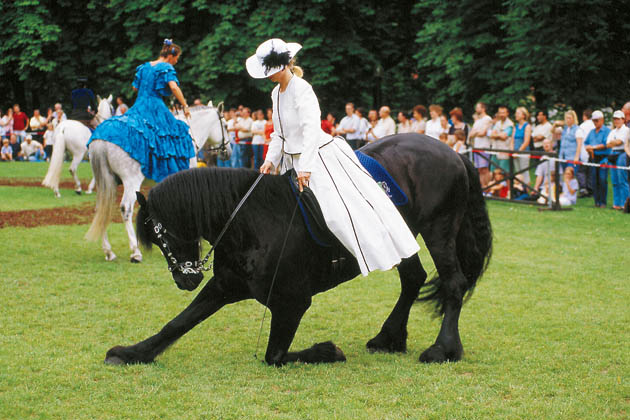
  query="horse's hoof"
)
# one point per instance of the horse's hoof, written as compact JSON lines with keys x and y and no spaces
{"x":114,"y":361}
{"x":135,"y":260}
{"x":110,"y":256}
{"x":437,"y":354}
{"x":77,"y":192}
{"x":383,"y":342}
{"x":88,"y":192}
{"x":57,"y":195}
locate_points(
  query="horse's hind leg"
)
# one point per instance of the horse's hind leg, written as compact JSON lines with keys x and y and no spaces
{"x":76,"y":159}
{"x":91,"y":186}
{"x":107,"y":248}
{"x":393,"y":335}
{"x":449,"y":292}
{"x":131,"y":185}
{"x":285,"y":319}
{"x":212,"y":297}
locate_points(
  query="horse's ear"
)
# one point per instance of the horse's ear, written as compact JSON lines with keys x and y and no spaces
{"x":220,"y":107}
{"x":98,"y":98}
{"x":210,"y":104}
{"x":141,"y":200}
{"x":109,"y":98}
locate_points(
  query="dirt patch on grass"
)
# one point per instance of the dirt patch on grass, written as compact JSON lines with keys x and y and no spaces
{"x":74,"y":215}
{"x":36,"y":182}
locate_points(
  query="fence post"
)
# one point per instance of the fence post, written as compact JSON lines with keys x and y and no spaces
{"x":556,"y":193}
{"x":511,"y":176}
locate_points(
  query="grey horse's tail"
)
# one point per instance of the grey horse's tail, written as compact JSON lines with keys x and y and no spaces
{"x":105,"y":191}
{"x":56,"y":160}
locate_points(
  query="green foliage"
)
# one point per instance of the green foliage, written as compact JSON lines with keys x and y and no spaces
{"x":509,"y":51}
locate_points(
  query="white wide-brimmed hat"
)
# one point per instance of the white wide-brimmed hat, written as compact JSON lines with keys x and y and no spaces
{"x":271,"y":57}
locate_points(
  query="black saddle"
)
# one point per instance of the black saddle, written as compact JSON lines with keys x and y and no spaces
{"x":311,"y":212}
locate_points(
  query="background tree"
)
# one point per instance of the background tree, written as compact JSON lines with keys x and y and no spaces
{"x":401,"y":53}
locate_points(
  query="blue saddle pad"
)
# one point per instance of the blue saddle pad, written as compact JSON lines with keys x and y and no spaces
{"x":383,"y":178}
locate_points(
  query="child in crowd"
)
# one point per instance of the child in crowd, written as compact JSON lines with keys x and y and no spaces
{"x":569,"y":188}
{"x":49,"y":141}
{"x":501,"y":188}
{"x":6,"y":154}
{"x":460,"y":141}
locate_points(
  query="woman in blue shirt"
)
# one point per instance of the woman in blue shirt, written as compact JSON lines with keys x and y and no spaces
{"x":570,"y":147}
{"x":521,"y":138}
{"x":148,"y":131}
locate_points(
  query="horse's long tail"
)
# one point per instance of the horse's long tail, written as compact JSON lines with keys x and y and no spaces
{"x":105,"y":191}
{"x":56,"y":160}
{"x":473,"y":243}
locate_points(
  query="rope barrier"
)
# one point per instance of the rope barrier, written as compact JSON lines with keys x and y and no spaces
{"x":594,"y":165}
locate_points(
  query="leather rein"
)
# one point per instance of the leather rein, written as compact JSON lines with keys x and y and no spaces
{"x":194,"y":267}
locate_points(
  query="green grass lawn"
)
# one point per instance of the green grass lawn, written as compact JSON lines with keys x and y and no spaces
{"x":31,"y":198}
{"x":39,"y":169}
{"x":545,"y":335}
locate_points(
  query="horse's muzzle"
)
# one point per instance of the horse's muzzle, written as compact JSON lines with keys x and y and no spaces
{"x":187,"y":281}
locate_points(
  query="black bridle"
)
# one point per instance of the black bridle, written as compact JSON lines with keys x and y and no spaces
{"x":194,"y":267}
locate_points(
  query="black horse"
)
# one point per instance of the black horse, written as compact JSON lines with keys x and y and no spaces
{"x":445,"y":206}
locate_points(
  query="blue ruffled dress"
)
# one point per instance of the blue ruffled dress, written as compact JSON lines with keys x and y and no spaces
{"x":148,"y":131}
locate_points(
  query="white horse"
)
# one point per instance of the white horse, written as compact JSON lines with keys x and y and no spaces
{"x":74,"y":135}
{"x":111,"y":166}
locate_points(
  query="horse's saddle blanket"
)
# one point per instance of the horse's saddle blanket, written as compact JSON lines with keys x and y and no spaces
{"x":383,"y":178}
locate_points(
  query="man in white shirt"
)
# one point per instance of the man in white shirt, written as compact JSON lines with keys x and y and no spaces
{"x":386,"y":126}
{"x":244,"y":129}
{"x":583,"y":173}
{"x":58,"y":115}
{"x":349,"y":127}
{"x":32,"y":150}
{"x":542,"y":131}
{"x":37,"y":123}
{"x":478,"y":137}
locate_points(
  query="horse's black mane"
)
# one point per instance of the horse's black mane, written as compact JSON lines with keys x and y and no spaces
{"x":187,"y":202}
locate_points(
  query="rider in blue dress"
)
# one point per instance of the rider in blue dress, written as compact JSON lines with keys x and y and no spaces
{"x":148,"y":131}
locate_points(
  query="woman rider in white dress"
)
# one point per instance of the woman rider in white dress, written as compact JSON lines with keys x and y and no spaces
{"x":356,"y":209}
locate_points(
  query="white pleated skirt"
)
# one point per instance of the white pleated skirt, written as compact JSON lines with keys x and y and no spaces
{"x":356,"y":209}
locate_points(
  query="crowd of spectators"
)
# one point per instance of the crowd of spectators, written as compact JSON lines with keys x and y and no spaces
{"x":31,"y":139}
{"x":494,"y":141}
{"x":489,"y":139}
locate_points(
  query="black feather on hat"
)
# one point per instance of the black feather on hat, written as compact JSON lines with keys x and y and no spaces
{"x":275,"y":59}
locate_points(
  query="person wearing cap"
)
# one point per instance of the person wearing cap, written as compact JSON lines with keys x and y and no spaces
{"x":596,"y":148}
{"x":148,"y":131}
{"x":356,"y":209}
{"x":32,"y":150}
{"x":616,"y":142}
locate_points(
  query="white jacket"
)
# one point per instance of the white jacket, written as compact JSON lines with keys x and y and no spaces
{"x":298,"y":110}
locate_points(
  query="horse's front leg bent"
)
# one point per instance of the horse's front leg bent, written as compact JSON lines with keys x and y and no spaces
{"x":285,"y":319}
{"x":212,"y":297}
